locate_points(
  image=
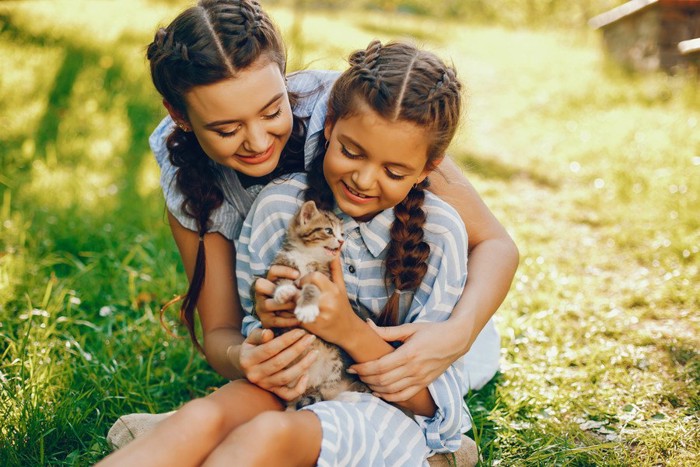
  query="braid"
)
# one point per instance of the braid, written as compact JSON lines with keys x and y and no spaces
{"x":194,"y":179}
{"x":406,"y":260}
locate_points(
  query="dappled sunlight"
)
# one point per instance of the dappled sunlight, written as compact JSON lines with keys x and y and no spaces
{"x":61,"y":187}
{"x":592,"y":170}
{"x":24,"y":85}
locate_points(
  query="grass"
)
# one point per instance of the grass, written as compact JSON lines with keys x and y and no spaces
{"x":592,"y":170}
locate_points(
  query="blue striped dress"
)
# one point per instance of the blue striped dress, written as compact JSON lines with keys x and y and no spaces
{"x":360,"y":429}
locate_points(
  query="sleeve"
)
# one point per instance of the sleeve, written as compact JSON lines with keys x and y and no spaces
{"x":314,"y":88}
{"x":261,"y":238}
{"x":433,"y":302}
{"x":225,"y":219}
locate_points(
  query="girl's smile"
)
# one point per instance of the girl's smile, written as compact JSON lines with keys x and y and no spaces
{"x":372,"y":163}
{"x":356,"y":195}
{"x":258,"y":158}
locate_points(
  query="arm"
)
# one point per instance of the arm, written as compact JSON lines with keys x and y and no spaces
{"x":338,"y":324}
{"x":493,"y":256}
{"x":260,"y":358}
{"x":218,"y":306}
{"x":429,"y":349}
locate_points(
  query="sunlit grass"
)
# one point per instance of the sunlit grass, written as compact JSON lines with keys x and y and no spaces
{"x":592,"y":170}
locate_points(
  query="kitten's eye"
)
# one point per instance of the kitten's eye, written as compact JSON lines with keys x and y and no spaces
{"x":329,"y":231}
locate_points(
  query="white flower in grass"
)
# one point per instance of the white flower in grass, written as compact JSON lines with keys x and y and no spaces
{"x":105,"y":311}
{"x":75,"y":301}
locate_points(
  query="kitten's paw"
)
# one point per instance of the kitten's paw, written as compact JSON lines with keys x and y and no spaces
{"x":307,"y":313}
{"x":285,"y":293}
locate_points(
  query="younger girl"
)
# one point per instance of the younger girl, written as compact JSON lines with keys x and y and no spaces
{"x":391,"y":116}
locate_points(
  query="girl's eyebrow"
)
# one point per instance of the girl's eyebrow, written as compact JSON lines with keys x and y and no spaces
{"x":276,"y":97}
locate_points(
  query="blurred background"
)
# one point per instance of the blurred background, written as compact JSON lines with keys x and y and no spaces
{"x":590,"y":160}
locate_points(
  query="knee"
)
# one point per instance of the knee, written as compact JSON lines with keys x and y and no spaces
{"x":204,"y":414}
{"x":274,"y":426}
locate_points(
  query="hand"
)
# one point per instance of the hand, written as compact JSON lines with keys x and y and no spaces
{"x":428,"y":349}
{"x":270,"y":313}
{"x":336,"y":318}
{"x":266,"y":360}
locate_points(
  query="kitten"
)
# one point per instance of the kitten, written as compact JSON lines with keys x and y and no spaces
{"x":314,"y":238}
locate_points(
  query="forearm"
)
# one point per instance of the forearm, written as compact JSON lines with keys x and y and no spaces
{"x":221,"y":348}
{"x":492,"y":265}
{"x":365,"y":345}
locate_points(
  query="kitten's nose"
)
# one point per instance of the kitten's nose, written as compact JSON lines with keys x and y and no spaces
{"x":340,"y":243}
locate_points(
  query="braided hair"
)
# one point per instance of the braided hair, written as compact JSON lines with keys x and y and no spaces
{"x":401,"y":83}
{"x":208,"y":43}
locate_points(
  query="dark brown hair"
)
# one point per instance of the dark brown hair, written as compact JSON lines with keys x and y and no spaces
{"x":401,"y":83}
{"x":206,"y":44}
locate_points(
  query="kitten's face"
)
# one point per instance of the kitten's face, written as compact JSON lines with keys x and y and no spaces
{"x":318,"y":232}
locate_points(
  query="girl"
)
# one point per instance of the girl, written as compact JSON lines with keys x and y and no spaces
{"x":220,"y":67}
{"x":390,"y":118}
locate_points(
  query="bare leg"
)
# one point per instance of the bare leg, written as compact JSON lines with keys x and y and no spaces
{"x":194,"y":431}
{"x":272,"y":438}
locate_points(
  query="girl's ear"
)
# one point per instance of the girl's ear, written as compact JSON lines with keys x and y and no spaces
{"x":327,"y":129}
{"x":429,"y":167}
{"x":179,"y":119}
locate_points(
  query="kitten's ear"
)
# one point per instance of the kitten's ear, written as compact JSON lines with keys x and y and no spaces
{"x":308,"y":211}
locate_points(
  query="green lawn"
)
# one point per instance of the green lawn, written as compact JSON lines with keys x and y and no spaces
{"x":589,"y":168}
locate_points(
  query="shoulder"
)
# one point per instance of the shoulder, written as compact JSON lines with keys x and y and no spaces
{"x":157,"y":140}
{"x":311,"y":80}
{"x":443,"y":224}
{"x":284,"y":194}
{"x":313,"y":88}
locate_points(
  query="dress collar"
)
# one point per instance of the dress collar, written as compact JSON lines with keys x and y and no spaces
{"x":375,"y":232}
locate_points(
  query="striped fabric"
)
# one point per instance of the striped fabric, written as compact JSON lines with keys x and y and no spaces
{"x":313,"y":88}
{"x":362,"y":256}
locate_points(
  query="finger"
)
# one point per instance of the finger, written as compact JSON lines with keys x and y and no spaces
{"x":270,"y":306}
{"x":400,"y":396}
{"x":276,"y":345}
{"x":385,"y":364}
{"x":395,"y":333}
{"x":281,"y":272}
{"x":259,"y":336}
{"x":337,"y":274}
{"x":285,"y":357}
{"x":390,"y":381}
{"x":294,"y":372}
{"x":271,"y":321}
{"x":263,"y":287}
{"x":289,"y":394}
{"x":318,"y":279}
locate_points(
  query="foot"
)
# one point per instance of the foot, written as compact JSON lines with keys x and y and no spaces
{"x":129,"y":427}
{"x":466,"y":456}
{"x":285,"y":293}
{"x":307,"y":313}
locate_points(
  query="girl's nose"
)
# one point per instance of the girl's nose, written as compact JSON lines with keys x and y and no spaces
{"x":364,"y":178}
{"x":256,"y":139}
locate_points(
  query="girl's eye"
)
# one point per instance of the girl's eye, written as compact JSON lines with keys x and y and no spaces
{"x":228,"y":134}
{"x":329,"y":231}
{"x":394,"y":176}
{"x":273,"y":115}
{"x":348,"y":154}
